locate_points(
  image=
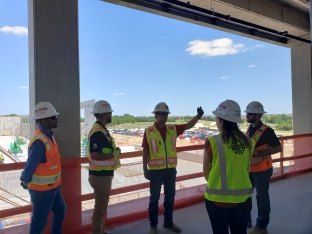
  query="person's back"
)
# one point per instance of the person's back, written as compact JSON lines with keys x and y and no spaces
{"x":225,"y":167}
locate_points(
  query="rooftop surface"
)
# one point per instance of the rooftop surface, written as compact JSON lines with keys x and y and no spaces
{"x":291,"y":212}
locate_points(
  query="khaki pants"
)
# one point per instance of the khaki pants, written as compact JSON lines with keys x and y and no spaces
{"x":101,"y":186}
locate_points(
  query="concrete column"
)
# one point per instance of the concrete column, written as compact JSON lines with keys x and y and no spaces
{"x":54,"y":77}
{"x":301,"y":58}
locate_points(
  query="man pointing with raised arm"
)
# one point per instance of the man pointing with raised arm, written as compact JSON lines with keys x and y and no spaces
{"x":160,"y":161}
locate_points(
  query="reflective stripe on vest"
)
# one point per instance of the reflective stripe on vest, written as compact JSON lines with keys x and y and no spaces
{"x":224,"y":188}
{"x":154,"y":145}
{"x":109,"y":162}
{"x":105,"y":165}
{"x":161,"y":162}
{"x":43,"y":139}
{"x":161,"y":154}
{"x":259,"y":159}
{"x":45,"y":179}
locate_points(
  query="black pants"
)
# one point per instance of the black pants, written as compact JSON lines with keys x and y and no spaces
{"x":224,"y":219}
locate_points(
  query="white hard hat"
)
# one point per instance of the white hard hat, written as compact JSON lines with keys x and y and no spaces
{"x":101,"y":107}
{"x":161,"y":107}
{"x":229,"y":110}
{"x":44,"y":110}
{"x":255,"y":108}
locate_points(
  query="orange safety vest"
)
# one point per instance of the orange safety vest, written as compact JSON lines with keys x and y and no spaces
{"x":260,"y":163}
{"x":47,"y":176}
{"x":103,"y":165}
{"x":162,"y":154}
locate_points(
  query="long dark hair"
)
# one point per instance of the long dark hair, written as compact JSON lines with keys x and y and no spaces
{"x":230,"y":133}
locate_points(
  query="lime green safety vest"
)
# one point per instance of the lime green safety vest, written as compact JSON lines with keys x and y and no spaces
{"x":228,"y":180}
{"x":106,"y":165}
{"x":162,"y":154}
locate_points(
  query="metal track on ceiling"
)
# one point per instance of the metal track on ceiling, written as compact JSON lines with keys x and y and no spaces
{"x":199,"y":14}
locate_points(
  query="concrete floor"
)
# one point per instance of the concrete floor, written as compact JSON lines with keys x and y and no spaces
{"x":291,"y":205}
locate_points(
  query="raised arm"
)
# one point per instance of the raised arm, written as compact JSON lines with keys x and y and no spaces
{"x":195,"y":119}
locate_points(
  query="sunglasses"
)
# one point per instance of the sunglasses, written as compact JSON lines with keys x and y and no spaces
{"x":251,"y":114}
{"x":52,"y":118}
{"x":162,"y":113}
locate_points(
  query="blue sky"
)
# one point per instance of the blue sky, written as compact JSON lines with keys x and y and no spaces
{"x":135,"y":59}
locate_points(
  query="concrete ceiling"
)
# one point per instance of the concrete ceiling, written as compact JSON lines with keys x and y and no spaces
{"x":288,"y":16}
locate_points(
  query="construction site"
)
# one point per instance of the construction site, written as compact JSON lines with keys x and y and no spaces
{"x":129,"y":185}
{"x":54,"y":76}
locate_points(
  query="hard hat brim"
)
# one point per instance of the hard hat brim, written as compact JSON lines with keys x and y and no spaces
{"x":101,"y":112}
{"x":255,"y":112}
{"x":36,"y":118}
{"x":228,"y":118}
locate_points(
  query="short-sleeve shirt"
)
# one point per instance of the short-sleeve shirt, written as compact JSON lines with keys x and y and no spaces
{"x":98,"y":141}
{"x":268,"y":136}
{"x":163,"y":131}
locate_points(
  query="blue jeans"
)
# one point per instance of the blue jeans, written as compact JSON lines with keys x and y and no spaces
{"x":168,"y":178}
{"x":260,"y":181}
{"x":223,"y":219}
{"x":42,"y":203}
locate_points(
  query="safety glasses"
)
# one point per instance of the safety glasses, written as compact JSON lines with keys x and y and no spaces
{"x":162,"y":113}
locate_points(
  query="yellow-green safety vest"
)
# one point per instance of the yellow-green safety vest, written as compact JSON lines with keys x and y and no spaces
{"x":162,"y":154}
{"x":228,"y":180}
{"x":100,"y":165}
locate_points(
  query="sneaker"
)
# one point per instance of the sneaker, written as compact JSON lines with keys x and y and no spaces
{"x":257,"y":230}
{"x":249,"y":225}
{"x":153,"y":230}
{"x":173,"y":227}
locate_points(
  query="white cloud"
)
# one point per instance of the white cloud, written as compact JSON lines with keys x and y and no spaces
{"x":23,"y":87}
{"x":251,"y":48}
{"x":225,"y":77}
{"x":118,"y":94}
{"x":251,"y":66}
{"x":17,"y":30}
{"x":217,"y":47}
{"x":259,"y":46}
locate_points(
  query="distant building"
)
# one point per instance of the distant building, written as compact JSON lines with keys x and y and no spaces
{"x":14,"y":125}
{"x":87,"y":108}
{"x":11,"y":125}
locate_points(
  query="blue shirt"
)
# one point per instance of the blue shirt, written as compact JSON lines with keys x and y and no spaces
{"x":36,"y":155}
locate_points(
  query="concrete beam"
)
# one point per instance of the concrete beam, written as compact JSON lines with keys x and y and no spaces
{"x":301,"y":60}
{"x":54,"y":77}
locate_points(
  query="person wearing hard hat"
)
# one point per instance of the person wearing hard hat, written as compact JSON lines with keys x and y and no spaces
{"x":159,"y":163}
{"x":103,"y":158}
{"x":42,"y":172}
{"x":261,"y":169}
{"x":226,"y":170}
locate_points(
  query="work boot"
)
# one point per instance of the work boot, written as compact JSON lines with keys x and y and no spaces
{"x":173,"y":227}
{"x":257,"y":230}
{"x":153,"y":230}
